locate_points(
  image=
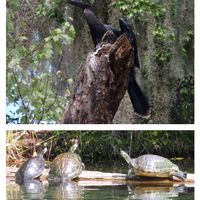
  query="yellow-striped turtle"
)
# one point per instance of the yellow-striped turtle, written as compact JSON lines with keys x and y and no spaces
{"x":153,"y":166}
{"x":66,"y":166}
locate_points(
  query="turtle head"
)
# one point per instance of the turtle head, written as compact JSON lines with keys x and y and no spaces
{"x":178,"y":173}
{"x":74,"y":146}
{"x":43,"y":151}
{"x":126,"y":156}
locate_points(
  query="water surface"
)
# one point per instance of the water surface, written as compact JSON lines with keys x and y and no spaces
{"x":116,"y":191}
{"x":37,"y":190}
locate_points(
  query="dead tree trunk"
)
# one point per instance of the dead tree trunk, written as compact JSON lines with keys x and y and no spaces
{"x":101,"y":83}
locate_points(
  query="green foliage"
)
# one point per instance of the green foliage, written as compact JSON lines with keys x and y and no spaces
{"x":183,"y":109}
{"x":139,"y":8}
{"x":163,"y":38}
{"x":161,"y":33}
{"x":169,"y":35}
{"x":99,"y":145}
{"x":145,"y":10}
{"x":186,"y":42}
{"x":32,"y":87}
{"x":92,"y":1}
{"x":51,"y":9}
{"x":96,"y":146}
{"x":102,"y":146}
{"x":148,"y":11}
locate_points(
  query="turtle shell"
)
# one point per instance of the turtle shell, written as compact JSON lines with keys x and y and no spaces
{"x":30,"y":169}
{"x":153,"y":165}
{"x":66,"y":166}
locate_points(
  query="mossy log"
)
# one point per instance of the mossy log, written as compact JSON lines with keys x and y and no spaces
{"x":101,"y":83}
{"x":102,"y":178}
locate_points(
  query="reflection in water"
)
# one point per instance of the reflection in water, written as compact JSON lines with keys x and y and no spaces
{"x":33,"y":189}
{"x":30,"y":189}
{"x":68,"y":190}
{"x":156,"y":192}
{"x":37,"y":190}
{"x":71,"y":190}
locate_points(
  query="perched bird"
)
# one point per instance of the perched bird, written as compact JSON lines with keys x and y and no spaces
{"x":98,"y":29}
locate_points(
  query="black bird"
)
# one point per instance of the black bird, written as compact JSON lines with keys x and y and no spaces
{"x":98,"y":29}
{"x":126,"y":28}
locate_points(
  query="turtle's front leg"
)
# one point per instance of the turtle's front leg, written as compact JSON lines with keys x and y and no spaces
{"x":131,"y":174}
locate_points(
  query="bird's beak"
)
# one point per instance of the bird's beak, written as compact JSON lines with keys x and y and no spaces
{"x":78,"y":3}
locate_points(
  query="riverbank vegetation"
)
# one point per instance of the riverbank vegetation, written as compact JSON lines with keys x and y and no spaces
{"x":97,"y":147}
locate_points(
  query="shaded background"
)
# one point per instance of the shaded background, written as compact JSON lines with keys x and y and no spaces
{"x":44,"y":53}
{"x":102,"y":148}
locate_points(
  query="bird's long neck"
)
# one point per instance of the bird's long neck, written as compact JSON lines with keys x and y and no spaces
{"x":91,"y":17}
{"x":97,"y":28}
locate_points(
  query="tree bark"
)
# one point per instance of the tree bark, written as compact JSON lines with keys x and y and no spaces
{"x":101,"y":83}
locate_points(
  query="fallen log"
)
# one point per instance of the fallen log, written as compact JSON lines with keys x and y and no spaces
{"x":85,"y":176}
{"x":96,"y":178}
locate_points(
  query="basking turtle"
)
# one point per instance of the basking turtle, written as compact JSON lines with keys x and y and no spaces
{"x":66,"y":166}
{"x":32,"y":168}
{"x":153,"y":166}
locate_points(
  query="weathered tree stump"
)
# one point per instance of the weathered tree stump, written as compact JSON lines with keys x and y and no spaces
{"x":101,"y":83}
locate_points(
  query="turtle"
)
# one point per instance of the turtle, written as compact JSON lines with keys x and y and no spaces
{"x":150,"y":165}
{"x":31,"y":168}
{"x":66,"y":166}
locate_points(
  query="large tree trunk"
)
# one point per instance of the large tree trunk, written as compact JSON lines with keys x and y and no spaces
{"x":101,"y":83}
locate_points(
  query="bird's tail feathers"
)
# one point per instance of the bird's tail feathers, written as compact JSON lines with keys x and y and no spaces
{"x":138,"y":99}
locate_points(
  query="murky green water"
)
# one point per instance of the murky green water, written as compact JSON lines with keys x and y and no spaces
{"x":84,"y":190}
{"x":74,"y":191}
